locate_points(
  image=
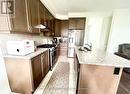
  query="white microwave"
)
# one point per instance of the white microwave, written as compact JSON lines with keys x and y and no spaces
{"x":23,"y":47}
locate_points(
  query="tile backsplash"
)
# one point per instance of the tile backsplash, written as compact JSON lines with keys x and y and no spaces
{"x":39,"y":39}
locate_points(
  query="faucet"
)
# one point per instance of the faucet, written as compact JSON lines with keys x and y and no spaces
{"x":89,"y":46}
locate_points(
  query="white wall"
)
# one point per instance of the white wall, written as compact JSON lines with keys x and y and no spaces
{"x":4,"y":85}
{"x":104,"y":35}
{"x":97,"y":30}
{"x":120,"y":29}
{"x":94,"y":30}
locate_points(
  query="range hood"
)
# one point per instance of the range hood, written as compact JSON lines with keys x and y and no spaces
{"x":40,"y":26}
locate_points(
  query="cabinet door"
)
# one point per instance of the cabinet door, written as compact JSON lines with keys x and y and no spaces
{"x":95,"y":79}
{"x":77,"y":23}
{"x":53,"y":26}
{"x":45,"y":63}
{"x":63,"y":49}
{"x":37,"y":70}
{"x":19,"y":22}
{"x":33,"y":7}
{"x":72,"y":23}
{"x":80,"y":23}
{"x":46,"y":21}
{"x":57,"y":52}
{"x":57,"y":28}
{"x":64,"y":28}
{"x":41,"y":13}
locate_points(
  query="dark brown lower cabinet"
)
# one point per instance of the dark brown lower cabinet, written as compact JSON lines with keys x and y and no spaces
{"x":25,"y":75}
{"x":40,"y":67}
{"x":37,"y":70}
{"x":45,"y":63}
{"x":57,"y":51}
{"x":63,"y":49}
{"x":96,"y":79}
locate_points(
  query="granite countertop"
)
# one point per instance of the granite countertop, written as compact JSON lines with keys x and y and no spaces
{"x":28,"y":56}
{"x":99,"y":57}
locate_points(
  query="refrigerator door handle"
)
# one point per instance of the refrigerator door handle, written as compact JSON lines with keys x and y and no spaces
{"x":70,"y":40}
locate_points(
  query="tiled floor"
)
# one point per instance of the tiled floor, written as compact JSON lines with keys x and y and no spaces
{"x":72,"y":78}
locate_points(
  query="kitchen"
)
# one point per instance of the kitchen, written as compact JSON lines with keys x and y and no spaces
{"x":49,"y":38}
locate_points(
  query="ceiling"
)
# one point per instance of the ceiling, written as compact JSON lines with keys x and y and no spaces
{"x":64,"y":7}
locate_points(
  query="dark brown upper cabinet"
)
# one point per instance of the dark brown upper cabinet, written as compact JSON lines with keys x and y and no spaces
{"x":19,"y":22}
{"x":64,"y":28}
{"x":61,"y":28}
{"x":34,"y":14}
{"x":77,"y":23}
{"x":42,"y":15}
{"x":46,"y":19}
{"x":26,"y":16}
{"x":57,"y":28}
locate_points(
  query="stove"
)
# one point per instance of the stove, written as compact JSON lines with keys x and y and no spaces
{"x":46,"y":46}
{"x":52,"y":53}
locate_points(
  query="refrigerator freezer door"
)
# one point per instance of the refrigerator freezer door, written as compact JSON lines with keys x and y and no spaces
{"x":71,"y":42}
{"x":71,"y":39}
{"x":71,"y":52}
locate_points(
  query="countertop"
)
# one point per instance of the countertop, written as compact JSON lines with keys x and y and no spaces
{"x":99,"y":57}
{"x":28,"y":56}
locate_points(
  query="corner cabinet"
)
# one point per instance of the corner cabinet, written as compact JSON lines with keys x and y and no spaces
{"x":25,"y":75}
{"x":26,"y":16}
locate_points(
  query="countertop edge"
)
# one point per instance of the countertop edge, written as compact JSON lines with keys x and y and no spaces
{"x":122,"y":61}
{"x":28,"y":56}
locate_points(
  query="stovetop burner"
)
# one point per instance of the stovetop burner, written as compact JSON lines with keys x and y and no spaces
{"x":46,"y":46}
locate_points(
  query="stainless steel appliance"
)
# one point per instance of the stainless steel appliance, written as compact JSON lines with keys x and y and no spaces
{"x":71,"y":43}
{"x":52,"y":53}
{"x":75,"y":38}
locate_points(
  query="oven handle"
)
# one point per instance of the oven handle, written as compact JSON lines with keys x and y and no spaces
{"x":50,"y":55}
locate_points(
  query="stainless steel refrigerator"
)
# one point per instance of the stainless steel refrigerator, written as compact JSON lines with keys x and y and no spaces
{"x":75,"y":38}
